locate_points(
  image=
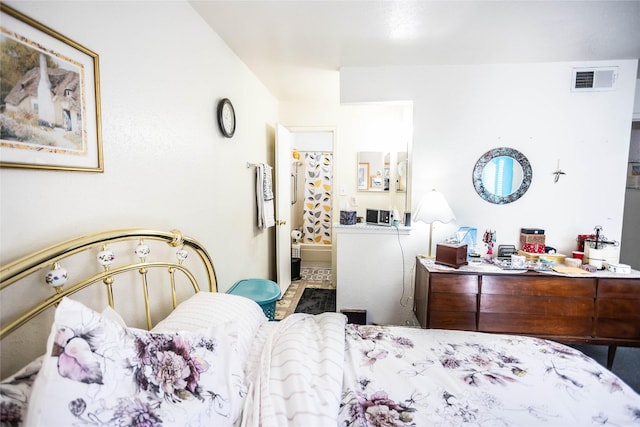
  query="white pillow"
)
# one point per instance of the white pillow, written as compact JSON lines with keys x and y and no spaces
{"x":206,"y":309}
{"x":110,"y":313}
{"x":15,"y":393}
{"x":95,"y":371}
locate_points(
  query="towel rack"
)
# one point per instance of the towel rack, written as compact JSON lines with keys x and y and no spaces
{"x":251,"y":165}
{"x":295,"y":188}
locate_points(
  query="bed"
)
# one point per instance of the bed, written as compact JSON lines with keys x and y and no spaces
{"x":115,"y":336}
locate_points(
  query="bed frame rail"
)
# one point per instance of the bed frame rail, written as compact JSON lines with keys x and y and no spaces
{"x":51,"y":257}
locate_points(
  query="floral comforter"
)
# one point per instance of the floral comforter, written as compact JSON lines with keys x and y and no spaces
{"x":395,"y":376}
{"x":316,"y":371}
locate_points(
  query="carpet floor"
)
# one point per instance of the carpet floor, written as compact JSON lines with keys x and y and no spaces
{"x":316,"y":301}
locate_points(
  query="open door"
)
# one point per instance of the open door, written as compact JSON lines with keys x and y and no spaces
{"x":284,"y":142}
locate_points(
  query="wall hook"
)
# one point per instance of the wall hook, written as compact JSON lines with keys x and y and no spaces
{"x":558,"y":172}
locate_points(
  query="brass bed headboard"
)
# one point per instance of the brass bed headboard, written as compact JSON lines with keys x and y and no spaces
{"x":52,"y":257}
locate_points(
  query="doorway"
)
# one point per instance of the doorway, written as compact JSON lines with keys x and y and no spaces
{"x":308,"y":162}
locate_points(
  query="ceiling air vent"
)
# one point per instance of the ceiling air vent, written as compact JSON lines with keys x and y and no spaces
{"x":594,"y":79}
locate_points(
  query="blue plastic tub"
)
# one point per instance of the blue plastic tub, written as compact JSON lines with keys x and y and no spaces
{"x":262,"y":291}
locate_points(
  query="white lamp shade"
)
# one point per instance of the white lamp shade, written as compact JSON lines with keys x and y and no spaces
{"x":434,"y":207}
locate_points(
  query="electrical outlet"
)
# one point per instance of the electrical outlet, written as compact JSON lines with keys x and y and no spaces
{"x":354,"y":201}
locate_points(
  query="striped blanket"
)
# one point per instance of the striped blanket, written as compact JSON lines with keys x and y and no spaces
{"x":297,"y":379}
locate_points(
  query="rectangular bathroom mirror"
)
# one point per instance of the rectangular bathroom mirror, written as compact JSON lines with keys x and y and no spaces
{"x":376,"y":173}
{"x":373,"y":173}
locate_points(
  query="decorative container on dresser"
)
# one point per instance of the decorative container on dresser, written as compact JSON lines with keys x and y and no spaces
{"x":596,"y":308}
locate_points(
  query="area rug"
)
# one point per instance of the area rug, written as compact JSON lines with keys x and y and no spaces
{"x":315,"y":274}
{"x":316,"y":301}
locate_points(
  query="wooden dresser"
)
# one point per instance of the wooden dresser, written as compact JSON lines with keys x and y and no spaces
{"x":601,"y":308}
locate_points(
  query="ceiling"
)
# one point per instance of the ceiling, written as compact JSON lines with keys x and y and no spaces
{"x":296,"y":48}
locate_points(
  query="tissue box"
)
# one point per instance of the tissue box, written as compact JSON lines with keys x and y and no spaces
{"x":451,"y":255}
{"x":347,"y":217}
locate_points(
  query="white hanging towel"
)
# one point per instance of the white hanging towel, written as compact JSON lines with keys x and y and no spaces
{"x":264,"y":196}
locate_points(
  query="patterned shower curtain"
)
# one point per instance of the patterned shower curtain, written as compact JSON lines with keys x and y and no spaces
{"x":317,"y":197}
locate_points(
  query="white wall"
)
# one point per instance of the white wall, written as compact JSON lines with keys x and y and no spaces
{"x":162,"y":72}
{"x":378,"y":127}
{"x":460,"y":112}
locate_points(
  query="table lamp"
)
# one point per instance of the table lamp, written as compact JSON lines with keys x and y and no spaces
{"x":433,"y":207}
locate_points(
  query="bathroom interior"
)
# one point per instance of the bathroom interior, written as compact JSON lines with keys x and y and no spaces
{"x":312,"y":200}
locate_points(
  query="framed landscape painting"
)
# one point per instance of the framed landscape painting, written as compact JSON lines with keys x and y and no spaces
{"x":49,"y":98}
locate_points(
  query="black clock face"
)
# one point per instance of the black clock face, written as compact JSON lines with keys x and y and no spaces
{"x":226,"y":118}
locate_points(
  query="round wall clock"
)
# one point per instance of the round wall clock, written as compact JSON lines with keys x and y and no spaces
{"x":226,"y":118}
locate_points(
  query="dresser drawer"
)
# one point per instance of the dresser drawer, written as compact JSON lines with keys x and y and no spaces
{"x":614,"y":308}
{"x":537,"y":306}
{"x":618,"y":328}
{"x":618,"y":309}
{"x":453,"y":302}
{"x":539,"y":286}
{"x":452,"y":320}
{"x":535,"y":325}
{"x":450,"y":283}
{"x":619,"y":288}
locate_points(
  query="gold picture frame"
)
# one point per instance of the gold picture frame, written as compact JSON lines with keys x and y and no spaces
{"x":50,"y":111}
